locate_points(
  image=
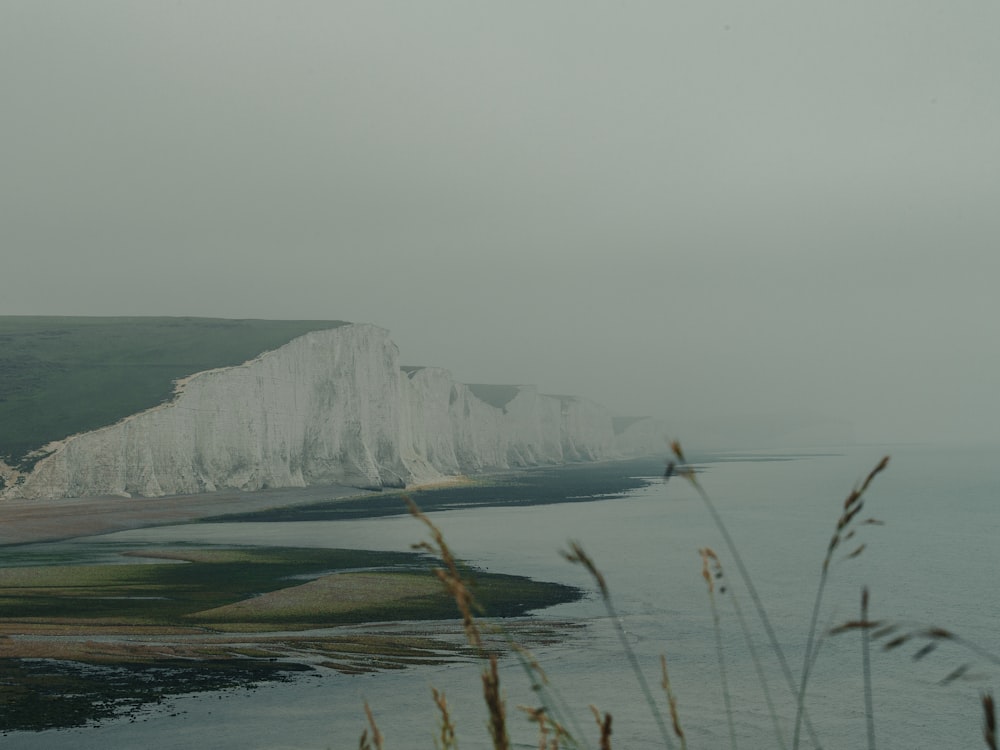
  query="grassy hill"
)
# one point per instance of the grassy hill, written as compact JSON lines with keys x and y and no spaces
{"x":63,"y":375}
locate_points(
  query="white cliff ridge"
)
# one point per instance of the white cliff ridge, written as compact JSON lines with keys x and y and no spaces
{"x":330,"y":407}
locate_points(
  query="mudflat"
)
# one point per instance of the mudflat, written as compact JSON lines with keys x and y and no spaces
{"x":82,"y":642}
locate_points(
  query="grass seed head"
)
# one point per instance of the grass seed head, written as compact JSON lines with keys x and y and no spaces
{"x":495,"y":705}
{"x":546,"y":725}
{"x":450,"y":576}
{"x":604,"y":725}
{"x":376,"y":735}
{"x":671,"y":699}
{"x":577,"y":555}
{"x":675,"y":446}
{"x":955,"y":674}
{"x":447,"y":739}
{"x":854,"y":625}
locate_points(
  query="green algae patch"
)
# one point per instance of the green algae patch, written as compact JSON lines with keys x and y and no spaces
{"x":337,"y":597}
{"x":251,"y":588}
{"x":188,"y":581}
{"x":85,"y":643}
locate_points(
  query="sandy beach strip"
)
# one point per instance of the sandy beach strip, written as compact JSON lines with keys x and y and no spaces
{"x":26,"y":521}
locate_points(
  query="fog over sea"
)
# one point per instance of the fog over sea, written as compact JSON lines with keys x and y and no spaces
{"x":934,"y":562}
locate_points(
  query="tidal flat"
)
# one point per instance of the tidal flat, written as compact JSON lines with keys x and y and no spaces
{"x":92,"y":628}
{"x":82,"y":643}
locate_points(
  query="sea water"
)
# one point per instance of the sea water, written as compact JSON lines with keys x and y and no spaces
{"x":932,"y":563}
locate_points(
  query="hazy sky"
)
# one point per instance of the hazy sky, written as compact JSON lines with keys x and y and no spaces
{"x":699,"y":210}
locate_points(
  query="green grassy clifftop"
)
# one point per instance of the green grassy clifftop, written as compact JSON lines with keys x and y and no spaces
{"x":64,"y":375}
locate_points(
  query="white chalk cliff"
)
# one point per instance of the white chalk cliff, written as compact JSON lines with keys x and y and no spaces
{"x":329,"y":407}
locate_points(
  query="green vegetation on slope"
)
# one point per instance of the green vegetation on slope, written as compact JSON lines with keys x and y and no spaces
{"x":64,"y":375}
{"x":226,"y":588}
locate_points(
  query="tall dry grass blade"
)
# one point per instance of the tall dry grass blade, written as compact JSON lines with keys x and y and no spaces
{"x":537,"y":715}
{"x":577,"y":555}
{"x":449,"y":575}
{"x":758,"y":604}
{"x":376,"y":735}
{"x":604,"y":726}
{"x":446,"y":740}
{"x":675,"y":446}
{"x":989,"y":721}
{"x":762,"y":680}
{"x":546,"y":725}
{"x":758,"y":666}
{"x":866,"y":665}
{"x":672,"y":702}
{"x":709,"y":560}
{"x":495,"y":706}
{"x":555,"y":707}
{"x":852,"y":507}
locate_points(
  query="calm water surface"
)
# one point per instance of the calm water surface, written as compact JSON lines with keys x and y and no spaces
{"x":934,"y":561}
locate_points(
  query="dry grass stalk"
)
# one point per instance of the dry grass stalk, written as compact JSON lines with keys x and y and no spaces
{"x":672,"y":703}
{"x":711,"y":561}
{"x":989,"y":721}
{"x":866,"y":667}
{"x":675,"y":446}
{"x":853,"y":505}
{"x":546,"y":725}
{"x":376,"y":735}
{"x":711,"y":569}
{"x":577,"y":555}
{"x":688,"y":473}
{"x":604,"y":726}
{"x":450,"y":576}
{"x":680,"y":467}
{"x":554,"y":707}
{"x":495,"y":704}
{"x":537,"y":715}
{"x":447,"y":739}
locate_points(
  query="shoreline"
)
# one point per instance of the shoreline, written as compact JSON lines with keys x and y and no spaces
{"x":95,"y":660}
{"x":62,"y":519}
{"x":201,"y":630}
{"x":24,"y":522}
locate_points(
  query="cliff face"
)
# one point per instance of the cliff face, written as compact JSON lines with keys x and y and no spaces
{"x":330,"y":407}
